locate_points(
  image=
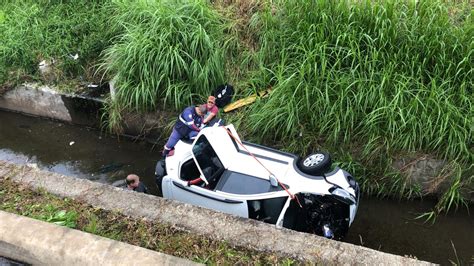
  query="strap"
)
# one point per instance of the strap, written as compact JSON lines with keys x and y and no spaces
{"x":293,"y":197}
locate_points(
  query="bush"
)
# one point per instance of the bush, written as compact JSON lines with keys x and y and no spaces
{"x":168,"y":52}
{"x":33,"y":31}
{"x":382,"y":74}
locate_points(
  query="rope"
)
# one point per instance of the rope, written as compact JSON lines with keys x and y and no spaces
{"x":293,"y":197}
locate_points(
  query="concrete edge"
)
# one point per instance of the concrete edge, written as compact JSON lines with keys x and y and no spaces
{"x":236,"y":231}
{"x":43,"y":101}
{"x":42,"y":243}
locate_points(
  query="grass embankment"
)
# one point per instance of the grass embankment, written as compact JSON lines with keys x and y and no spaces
{"x":371,"y":81}
{"x":167,"y":52}
{"x":44,"y":206}
{"x":54,"y":32}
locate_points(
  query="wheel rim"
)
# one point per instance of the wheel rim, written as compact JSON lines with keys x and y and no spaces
{"x":313,"y":160}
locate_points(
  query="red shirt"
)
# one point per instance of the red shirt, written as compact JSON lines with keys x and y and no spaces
{"x":214,"y":110}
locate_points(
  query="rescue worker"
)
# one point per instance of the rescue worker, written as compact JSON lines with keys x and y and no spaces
{"x":187,"y":126}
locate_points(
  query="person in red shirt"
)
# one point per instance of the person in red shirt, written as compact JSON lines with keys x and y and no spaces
{"x":211,"y":116}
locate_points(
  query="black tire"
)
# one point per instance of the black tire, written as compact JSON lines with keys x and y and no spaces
{"x":160,"y":172}
{"x":159,"y":180}
{"x":316,"y":163}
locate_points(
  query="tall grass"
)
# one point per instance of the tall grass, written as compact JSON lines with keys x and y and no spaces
{"x":167,"y":52}
{"x":32,"y":31}
{"x":371,"y":79}
{"x":386,"y":76}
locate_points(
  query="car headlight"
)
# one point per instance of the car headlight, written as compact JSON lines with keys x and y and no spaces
{"x":342,"y":195}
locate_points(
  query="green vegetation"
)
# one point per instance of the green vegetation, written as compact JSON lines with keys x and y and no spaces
{"x":166,"y":52}
{"x":54,"y":31}
{"x":375,"y":78}
{"x":148,"y":234}
{"x":371,"y":81}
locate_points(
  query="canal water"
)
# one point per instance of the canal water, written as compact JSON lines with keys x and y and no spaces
{"x":8,"y":262}
{"x":381,"y":224}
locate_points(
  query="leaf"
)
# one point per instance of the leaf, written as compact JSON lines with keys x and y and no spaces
{"x":2,"y":17}
{"x":60,"y":215}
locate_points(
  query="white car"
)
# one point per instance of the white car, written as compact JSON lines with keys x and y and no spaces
{"x":220,"y":172}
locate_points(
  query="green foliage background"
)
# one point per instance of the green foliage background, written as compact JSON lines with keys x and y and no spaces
{"x":32,"y":31}
{"x":368,"y":80}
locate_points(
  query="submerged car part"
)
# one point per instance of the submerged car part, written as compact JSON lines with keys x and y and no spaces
{"x":321,"y":214}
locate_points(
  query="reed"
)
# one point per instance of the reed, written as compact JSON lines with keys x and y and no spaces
{"x":33,"y":31}
{"x":166,"y":53}
{"x":388,"y":76}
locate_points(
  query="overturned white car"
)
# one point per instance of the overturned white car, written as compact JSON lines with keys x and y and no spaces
{"x":218,"y":171}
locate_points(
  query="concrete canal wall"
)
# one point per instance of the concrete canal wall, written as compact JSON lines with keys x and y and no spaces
{"x":219,"y":226}
{"x":36,"y":100}
{"x":40,"y":243}
{"x":43,"y":101}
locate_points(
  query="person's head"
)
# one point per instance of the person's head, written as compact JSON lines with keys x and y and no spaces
{"x":132,"y":181}
{"x":211,"y":101}
{"x":201,"y":110}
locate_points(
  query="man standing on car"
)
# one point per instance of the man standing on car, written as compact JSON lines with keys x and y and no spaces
{"x":187,"y":126}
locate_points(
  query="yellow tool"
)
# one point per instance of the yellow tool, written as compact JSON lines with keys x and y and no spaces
{"x":246,"y":101}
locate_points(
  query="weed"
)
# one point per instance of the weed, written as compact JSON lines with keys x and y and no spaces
{"x":388,"y":75}
{"x":33,"y":31}
{"x":166,"y":53}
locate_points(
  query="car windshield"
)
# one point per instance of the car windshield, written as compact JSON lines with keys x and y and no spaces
{"x":206,"y":157}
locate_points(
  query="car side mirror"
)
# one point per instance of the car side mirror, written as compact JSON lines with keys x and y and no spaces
{"x":273,"y":180}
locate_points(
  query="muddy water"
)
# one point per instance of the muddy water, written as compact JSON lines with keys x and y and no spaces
{"x":386,"y":225}
{"x":75,"y":151}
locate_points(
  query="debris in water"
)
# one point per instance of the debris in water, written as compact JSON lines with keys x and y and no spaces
{"x":110,"y":167}
{"x":32,"y":165}
{"x":71,"y":143}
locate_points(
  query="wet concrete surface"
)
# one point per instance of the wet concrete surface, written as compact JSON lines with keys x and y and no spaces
{"x":385,"y":225}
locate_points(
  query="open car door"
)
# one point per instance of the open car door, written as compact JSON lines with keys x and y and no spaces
{"x":213,"y":151}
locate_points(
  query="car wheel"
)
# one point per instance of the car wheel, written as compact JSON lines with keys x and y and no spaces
{"x":315,"y":163}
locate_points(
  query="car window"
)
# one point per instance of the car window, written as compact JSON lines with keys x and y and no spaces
{"x":243,"y":184}
{"x":206,"y":157}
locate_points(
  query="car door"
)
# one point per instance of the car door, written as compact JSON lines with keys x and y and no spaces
{"x":204,"y":195}
{"x":209,"y":199}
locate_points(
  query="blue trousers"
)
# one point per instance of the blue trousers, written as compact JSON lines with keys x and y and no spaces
{"x":176,"y":136}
